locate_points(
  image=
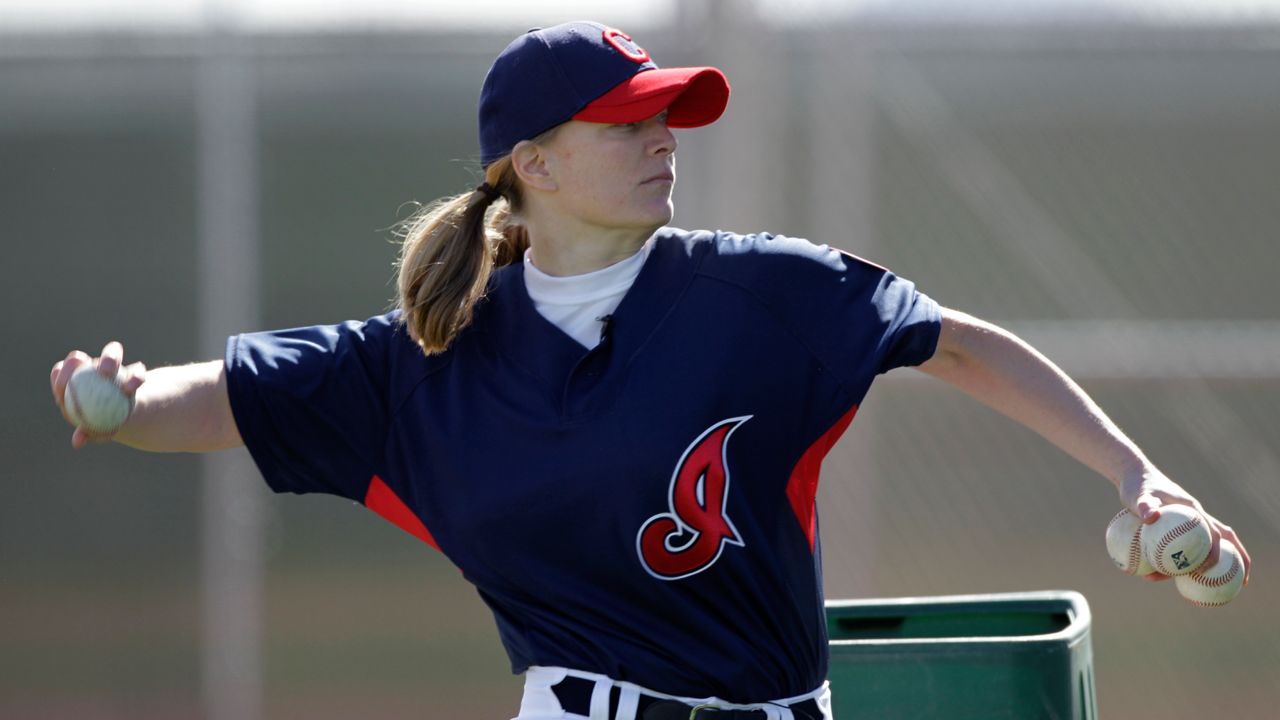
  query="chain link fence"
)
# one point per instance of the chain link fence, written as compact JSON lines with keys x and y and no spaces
{"x":1109,"y":193}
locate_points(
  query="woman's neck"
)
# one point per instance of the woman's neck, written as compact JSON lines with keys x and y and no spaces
{"x":575,"y":251}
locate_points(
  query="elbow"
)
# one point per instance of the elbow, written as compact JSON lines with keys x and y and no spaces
{"x":222,"y":431}
{"x":954,"y":350}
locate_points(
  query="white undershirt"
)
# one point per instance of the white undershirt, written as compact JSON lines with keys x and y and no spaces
{"x":575,"y":303}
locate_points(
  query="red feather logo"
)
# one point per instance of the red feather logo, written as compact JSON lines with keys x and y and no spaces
{"x":690,"y":538}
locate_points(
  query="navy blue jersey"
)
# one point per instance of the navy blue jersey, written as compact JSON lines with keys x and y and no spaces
{"x":644,"y":509}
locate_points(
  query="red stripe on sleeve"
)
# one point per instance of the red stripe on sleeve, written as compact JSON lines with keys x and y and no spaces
{"x":802,"y":487}
{"x":383,"y":500}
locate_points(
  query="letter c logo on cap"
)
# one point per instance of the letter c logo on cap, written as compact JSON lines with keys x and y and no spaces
{"x":622,"y":43}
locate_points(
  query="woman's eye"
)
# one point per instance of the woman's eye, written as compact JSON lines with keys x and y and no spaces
{"x":662,"y":118}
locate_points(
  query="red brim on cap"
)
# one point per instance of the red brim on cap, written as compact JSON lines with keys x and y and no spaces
{"x":693,"y":97}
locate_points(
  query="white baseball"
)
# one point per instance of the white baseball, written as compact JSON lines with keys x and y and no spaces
{"x":1124,"y":544}
{"x":1178,"y":542}
{"x":1216,"y":585}
{"x":96,"y":403}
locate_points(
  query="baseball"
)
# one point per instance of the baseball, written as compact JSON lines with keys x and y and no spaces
{"x":1217,"y":585}
{"x":96,"y":403}
{"x":1178,"y":542}
{"x":1124,"y":544}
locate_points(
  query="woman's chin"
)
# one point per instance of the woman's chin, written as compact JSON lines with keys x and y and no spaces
{"x":661,"y":213}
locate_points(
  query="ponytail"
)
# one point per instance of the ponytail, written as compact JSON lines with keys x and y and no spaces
{"x":450,"y":249}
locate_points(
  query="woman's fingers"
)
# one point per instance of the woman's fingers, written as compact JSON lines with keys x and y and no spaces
{"x":110,"y":364}
{"x":1147,"y":508}
{"x":63,"y":370}
{"x":1230,"y":536}
{"x":111,"y":359}
{"x":134,"y":375}
{"x":1215,"y":550}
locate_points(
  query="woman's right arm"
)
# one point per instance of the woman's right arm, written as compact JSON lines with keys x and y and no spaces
{"x":176,"y":409}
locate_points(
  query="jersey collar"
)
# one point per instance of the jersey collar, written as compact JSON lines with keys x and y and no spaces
{"x":519,"y":332}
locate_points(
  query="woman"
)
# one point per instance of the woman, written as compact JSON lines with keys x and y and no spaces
{"x":613,"y":427}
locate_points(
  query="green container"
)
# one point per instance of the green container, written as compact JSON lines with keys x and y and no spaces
{"x":1010,"y":655}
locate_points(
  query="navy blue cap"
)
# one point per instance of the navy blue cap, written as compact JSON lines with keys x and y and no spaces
{"x":587,"y":71}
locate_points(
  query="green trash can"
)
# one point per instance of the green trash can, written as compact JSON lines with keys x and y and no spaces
{"x":1010,"y":655}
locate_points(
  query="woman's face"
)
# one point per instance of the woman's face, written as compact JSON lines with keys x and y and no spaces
{"x":613,"y":176}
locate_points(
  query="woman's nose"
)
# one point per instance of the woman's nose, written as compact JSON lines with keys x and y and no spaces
{"x":665,"y":140}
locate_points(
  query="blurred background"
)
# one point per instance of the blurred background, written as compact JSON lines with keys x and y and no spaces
{"x":1099,"y":176}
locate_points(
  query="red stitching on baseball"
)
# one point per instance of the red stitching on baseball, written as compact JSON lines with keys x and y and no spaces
{"x":1169,"y":537}
{"x":1135,"y":544}
{"x":1225,"y":578}
{"x":1237,"y":566}
{"x":1135,"y":553}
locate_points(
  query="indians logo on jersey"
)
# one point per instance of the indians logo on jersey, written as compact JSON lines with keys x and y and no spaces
{"x":690,"y":538}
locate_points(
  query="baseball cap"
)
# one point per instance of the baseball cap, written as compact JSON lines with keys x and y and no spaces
{"x":591,"y":72}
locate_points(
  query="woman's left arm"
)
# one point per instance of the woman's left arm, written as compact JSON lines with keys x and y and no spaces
{"x":1004,"y":372}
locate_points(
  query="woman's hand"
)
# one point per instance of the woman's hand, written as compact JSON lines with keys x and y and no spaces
{"x":107,"y":364}
{"x":1004,"y":372}
{"x":1146,"y":492}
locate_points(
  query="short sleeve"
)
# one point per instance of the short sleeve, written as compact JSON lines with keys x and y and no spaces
{"x":858,"y":318}
{"x":907,"y":321}
{"x":311,"y":404}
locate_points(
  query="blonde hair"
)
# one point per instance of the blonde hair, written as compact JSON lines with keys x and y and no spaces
{"x":450,"y":249}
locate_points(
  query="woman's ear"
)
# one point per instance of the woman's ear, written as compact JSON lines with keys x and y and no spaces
{"x":529,"y":160}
